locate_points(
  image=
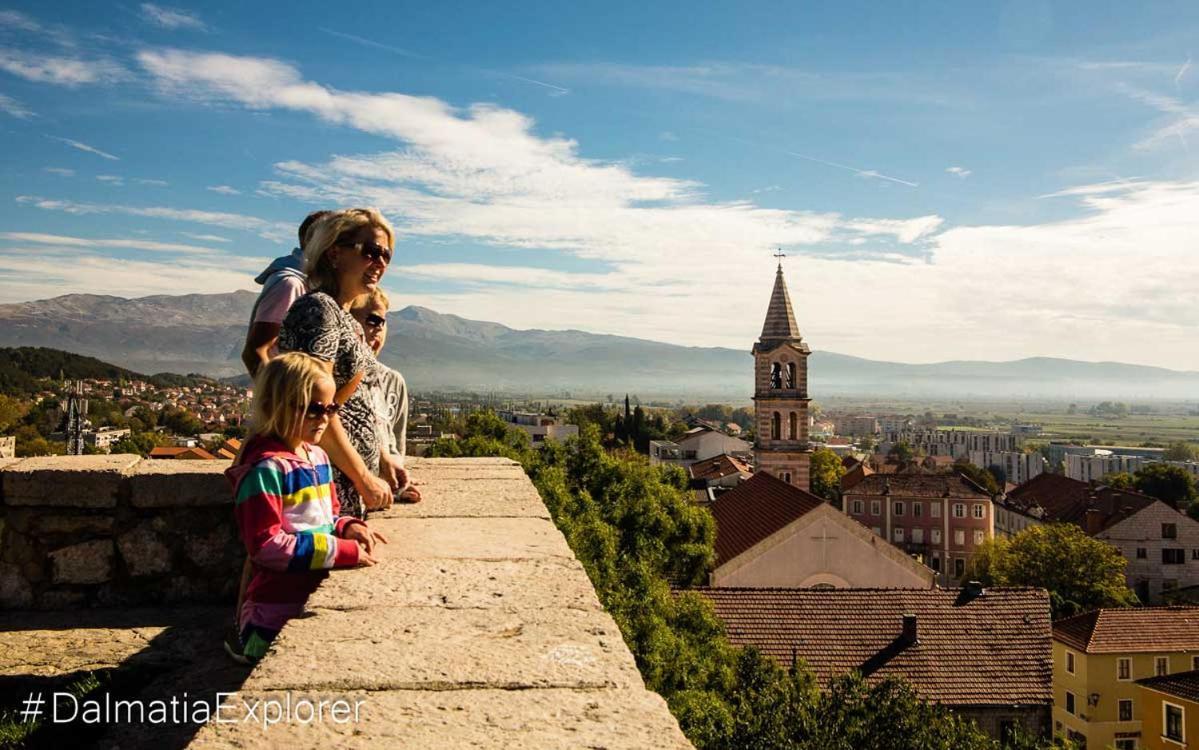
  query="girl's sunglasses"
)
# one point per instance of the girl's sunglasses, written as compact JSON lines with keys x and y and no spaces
{"x":372,"y":251}
{"x":375,"y":321}
{"x":316,"y":410}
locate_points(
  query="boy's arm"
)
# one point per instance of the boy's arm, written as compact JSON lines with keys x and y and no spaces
{"x":259,"y":514}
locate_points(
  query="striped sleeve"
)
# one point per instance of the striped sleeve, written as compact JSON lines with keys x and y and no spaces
{"x":261,"y":497}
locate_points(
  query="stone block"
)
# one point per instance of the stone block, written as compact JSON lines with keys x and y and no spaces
{"x":15,"y":591}
{"x":70,"y":481}
{"x":472,"y":538}
{"x":486,"y":498}
{"x":459,"y":584}
{"x":144,"y":552}
{"x":432,"y":648}
{"x":553,"y":719}
{"x":64,"y":599}
{"x":219,"y":548}
{"x":45,"y":525}
{"x":87,"y":562}
{"x":157,"y":484}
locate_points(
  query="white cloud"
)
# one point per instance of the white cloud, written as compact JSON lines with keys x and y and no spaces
{"x":171,"y":18}
{"x":62,"y":71}
{"x":84,"y":147}
{"x":12,"y":19}
{"x":14,"y":108}
{"x":205,"y":237}
{"x":111,"y":179}
{"x":271,"y":230}
{"x":224,"y":190}
{"x":60,"y":171}
{"x":153,"y":183}
{"x":65,"y":241}
{"x":959,"y":171}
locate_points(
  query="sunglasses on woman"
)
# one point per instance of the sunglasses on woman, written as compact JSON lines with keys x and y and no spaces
{"x":316,"y":410}
{"x":372,"y":251}
{"x":375,"y":321}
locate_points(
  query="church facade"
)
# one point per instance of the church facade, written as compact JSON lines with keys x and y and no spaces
{"x":781,"y":393}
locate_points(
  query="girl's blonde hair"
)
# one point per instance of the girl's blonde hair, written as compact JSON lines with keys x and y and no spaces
{"x":282,"y":392}
{"x":334,"y":227}
{"x":374,"y":297}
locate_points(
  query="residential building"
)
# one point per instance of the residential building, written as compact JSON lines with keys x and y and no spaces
{"x":940,"y":519}
{"x":723,"y":471}
{"x":1096,"y":466}
{"x":540,"y":427}
{"x":985,"y":654}
{"x":700,"y":443}
{"x":104,"y":437}
{"x":1018,"y":466}
{"x":1098,"y":658}
{"x":894,"y":424}
{"x":770,"y":533}
{"x":1169,"y":712}
{"x":781,"y":392}
{"x":955,"y":443}
{"x":856,"y":425}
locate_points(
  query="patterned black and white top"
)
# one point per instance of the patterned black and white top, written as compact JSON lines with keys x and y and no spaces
{"x":317,"y":325}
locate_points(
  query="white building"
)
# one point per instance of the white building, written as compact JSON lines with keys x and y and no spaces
{"x":1019,"y":467}
{"x":104,"y":437}
{"x":954,"y":443}
{"x":540,"y":427}
{"x":698,"y":444}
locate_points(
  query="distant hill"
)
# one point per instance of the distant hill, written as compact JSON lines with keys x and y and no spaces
{"x":21,"y":367}
{"x":203,"y":333}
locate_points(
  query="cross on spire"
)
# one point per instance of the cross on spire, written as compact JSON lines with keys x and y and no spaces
{"x":780,"y":255}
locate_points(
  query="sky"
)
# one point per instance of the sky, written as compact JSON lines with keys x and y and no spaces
{"x":946,"y":180}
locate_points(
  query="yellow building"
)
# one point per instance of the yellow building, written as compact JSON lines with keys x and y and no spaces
{"x":1098,"y":658}
{"x":1170,"y":711}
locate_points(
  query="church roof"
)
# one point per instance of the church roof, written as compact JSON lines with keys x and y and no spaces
{"x":755,"y":509}
{"x":780,"y":318}
{"x":989,"y":647}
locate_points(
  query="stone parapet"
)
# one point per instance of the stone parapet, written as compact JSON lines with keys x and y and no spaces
{"x":478,"y":628}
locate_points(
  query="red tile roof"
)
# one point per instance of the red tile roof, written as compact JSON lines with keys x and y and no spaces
{"x":919,"y":485}
{"x":755,"y":509}
{"x":718,"y":467}
{"x":990,"y":649}
{"x":1183,"y":685}
{"x":1135,"y":630}
{"x":1053,"y":497}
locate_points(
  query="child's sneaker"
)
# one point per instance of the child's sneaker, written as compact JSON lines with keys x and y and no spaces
{"x":234,"y":648}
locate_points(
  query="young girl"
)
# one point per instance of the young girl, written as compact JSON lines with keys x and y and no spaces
{"x":285,"y":503}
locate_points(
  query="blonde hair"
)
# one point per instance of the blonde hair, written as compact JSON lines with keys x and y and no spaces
{"x":374,"y":297}
{"x":282,"y":392}
{"x":330,"y":229}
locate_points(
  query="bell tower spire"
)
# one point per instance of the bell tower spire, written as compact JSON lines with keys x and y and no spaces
{"x":781,"y":390}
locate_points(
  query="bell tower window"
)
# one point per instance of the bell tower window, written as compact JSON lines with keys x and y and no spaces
{"x":776,"y":426}
{"x":776,"y":376}
{"x":789,"y":381}
{"x":793,"y":426}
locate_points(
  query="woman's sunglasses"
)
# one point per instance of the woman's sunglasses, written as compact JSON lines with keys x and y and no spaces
{"x":316,"y":410}
{"x":372,"y":251}
{"x":375,"y":321}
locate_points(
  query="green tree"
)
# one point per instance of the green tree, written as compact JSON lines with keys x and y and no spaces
{"x":12,"y":411}
{"x":902,"y":452}
{"x":826,"y":472}
{"x":1079,"y":572}
{"x":1165,"y":482}
{"x":1181,"y":451}
{"x":980,"y":476}
{"x":1120,"y":480}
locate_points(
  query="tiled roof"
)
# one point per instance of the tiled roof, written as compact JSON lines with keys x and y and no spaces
{"x":920,"y":485}
{"x":1053,"y":497}
{"x":1134,"y":630}
{"x":855,"y":474}
{"x":1183,"y":685}
{"x":990,"y":649}
{"x":718,"y":467}
{"x":755,"y":509}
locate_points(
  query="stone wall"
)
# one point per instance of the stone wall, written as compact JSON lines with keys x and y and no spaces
{"x":115,"y":530}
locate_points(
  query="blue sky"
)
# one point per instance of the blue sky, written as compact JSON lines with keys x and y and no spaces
{"x":949,"y":181}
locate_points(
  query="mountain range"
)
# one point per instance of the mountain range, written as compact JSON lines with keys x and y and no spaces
{"x":203,"y":333}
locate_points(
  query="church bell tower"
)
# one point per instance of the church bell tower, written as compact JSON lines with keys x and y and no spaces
{"x":781,"y":392}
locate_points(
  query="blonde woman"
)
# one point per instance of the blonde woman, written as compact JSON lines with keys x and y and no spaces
{"x":346,"y":253}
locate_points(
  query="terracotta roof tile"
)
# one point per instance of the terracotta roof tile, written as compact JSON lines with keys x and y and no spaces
{"x":1053,"y":497}
{"x":755,"y":509}
{"x":1183,"y":685}
{"x":1135,"y":630}
{"x":982,"y":650}
{"x":920,"y":485}
{"x":718,"y":467}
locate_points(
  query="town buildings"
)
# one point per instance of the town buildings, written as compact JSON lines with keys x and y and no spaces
{"x":781,"y":392}
{"x":955,"y":443}
{"x":1169,"y":711}
{"x":540,"y":427}
{"x":856,"y":426}
{"x":770,"y":533}
{"x":985,"y":654}
{"x":1018,"y":467}
{"x":1101,"y":463}
{"x":700,"y":443}
{"x":941,"y":519}
{"x":1098,"y":658}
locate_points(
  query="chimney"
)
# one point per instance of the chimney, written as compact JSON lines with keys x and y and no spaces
{"x":973,"y":589}
{"x":1093,"y":521}
{"x":909,"y":636}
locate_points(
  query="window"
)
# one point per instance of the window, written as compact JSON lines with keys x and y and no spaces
{"x":856,"y":508}
{"x":876,"y":508}
{"x":959,"y":538}
{"x":1195,"y":662}
{"x":1195,"y":554}
{"x":936,"y":563}
{"x":790,"y":382}
{"x":918,"y":510}
{"x":979,"y":536}
{"x":936,"y":536}
{"x":959,"y":510}
{"x":897,"y":534}
{"x":1161,"y":666}
{"x":1069,"y":703}
{"x":918,"y":536}
{"x":776,"y":426}
{"x":1172,"y":719}
{"x":1124,"y":669}
{"x":776,"y":376}
{"x":980,"y":510}
{"x":1069,"y":662}
{"x":1173,"y":556}
{"x":959,"y":567}
{"x":1125,"y":710}
{"x":1141,"y":554}
{"x":1126,"y":744}
{"x":934,"y":510}
{"x":1169,"y":531}
{"x":897,"y":508}
{"x":787,"y":477}
{"x":793,"y":426}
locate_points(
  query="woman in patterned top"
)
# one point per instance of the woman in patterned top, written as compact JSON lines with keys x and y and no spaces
{"x":345,"y":256}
